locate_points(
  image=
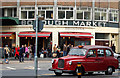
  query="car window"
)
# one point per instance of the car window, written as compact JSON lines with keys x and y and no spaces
{"x":91,"y":53}
{"x":108,"y":53}
{"x":100,"y":52}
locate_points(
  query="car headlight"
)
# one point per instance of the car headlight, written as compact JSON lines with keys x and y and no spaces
{"x":52,"y":61}
{"x":70,"y":62}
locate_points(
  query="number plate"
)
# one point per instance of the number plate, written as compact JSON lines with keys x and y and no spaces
{"x":58,"y":71}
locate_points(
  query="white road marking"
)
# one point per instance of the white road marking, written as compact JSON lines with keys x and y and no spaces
{"x":31,"y":67}
{"x":11,"y":68}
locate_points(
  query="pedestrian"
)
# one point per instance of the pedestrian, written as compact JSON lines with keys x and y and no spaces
{"x":17,"y":52}
{"x":6,"y":50}
{"x":68,"y":49}
{"x":58,"y":51}
{"x":54,"y":48}
{"x":113,"y":47}
{"x":30,"y":52}
{"x":64,"y":50}
{"x":49,"y":52}
{"x":26,"y":51}
{"x":21,"y":54}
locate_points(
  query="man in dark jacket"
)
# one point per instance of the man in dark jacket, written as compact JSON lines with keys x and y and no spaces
{"x":21,"y":56}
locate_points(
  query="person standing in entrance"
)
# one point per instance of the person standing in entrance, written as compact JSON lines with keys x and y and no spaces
{"x":21,"y":54}
{"x":54,"y":48}
{"x":64,"y":50}
{"x":6,"y":49}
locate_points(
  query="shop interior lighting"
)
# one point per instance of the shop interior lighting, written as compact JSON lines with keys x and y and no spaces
{"x":26,"y":37}
{"x":5,"y":37}
{"x":63,"y":37}
{"x":69,"y":37}
{"x":46,"y":37}
{"x":31,"y":37}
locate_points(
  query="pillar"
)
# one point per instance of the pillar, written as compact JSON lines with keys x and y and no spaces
{"x":110,"y":39}
{"x":54,"y":39}
{"x":93,"y":39}
{"x":17,"y":39}
{"x":119,"y":41}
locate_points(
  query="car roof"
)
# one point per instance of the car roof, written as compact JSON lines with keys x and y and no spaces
{"x":93,"y":46}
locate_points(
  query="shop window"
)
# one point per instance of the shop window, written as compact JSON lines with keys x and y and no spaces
{"x":83,"y":13}
{"x":31,"y":14}
{"x":101,"y":14}
{"x":24,"y":15}
{"x":79,"y":15}
{"x":41,"y":13}
{"x":46,"y":12}
{"x":61,"y":14}
{"x":69,"y":15}
{"x":9,"y":12}
{"x":27,"y":12}
{"x":65,"y":12}
{"x":113,"y":16}
{"x":49,"y":14}
{"x":87,"y":15}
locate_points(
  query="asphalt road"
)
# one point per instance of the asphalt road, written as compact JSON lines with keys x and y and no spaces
{"x":20,"y":70}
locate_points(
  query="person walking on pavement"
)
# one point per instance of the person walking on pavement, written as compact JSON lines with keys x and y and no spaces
{"x":30,"y":52}
{"x":17,"y":52}
{"x":6,"y":49}
{"x":21,"y":54}
{"x":26,"y":51}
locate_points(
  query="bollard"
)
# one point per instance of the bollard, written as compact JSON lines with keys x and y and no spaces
{"x":79,"y":68}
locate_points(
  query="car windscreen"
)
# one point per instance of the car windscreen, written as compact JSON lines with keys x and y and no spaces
{"x":79,"y":52}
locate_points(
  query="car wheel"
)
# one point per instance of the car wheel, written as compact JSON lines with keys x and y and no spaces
{"x":58,"y":74}
{"x":90,"y":73}
{"x":109,"y":71}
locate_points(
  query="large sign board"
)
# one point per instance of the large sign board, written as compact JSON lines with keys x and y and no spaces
{"x":72,"y":23}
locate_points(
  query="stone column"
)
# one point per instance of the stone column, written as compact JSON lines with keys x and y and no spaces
{"x":17,"y":39}
{"x":54,"y":39}
{"x":93,"y":39}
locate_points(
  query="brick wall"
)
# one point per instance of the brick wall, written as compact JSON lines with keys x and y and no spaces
{"x":98,"y":3}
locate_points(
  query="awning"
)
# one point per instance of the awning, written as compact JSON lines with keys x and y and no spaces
{"x":76,"y":35}
{"x":6,"y":34}
{"x":9,"y":21}
{"x":33,"y":34}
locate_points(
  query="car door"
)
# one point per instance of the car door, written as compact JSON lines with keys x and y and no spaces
{"x":101,"y":59}
{"x":91,"y":64}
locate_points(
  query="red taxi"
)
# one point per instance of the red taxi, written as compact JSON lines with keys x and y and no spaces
{"x":92,"y":58}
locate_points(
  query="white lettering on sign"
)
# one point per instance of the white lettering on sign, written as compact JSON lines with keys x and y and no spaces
{"x":76,"y":23}
{"x":29,"y":22}
{"x":82,"y":24}
{"x":67,"y":22}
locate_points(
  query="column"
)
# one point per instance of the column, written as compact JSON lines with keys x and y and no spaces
{"x":54,"y":39}
{"x":17,"y":39}
{"x":93,"y":39}
{"x":110,"y":39}
{"x":119,"y":41}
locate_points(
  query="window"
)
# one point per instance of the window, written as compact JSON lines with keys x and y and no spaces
{"x":100,"y":52}
{"x":108,"y":53}
{"x":91,"y":53}
{"x":23,"y":14}
{"x":101,"y":14}
{"x":27,"y":12}
{"x":83,"y":13}
{"x":31,"y":14}
{"x":46,"y":12}
{"x":113,"y":15}
{"x":65,"y":12}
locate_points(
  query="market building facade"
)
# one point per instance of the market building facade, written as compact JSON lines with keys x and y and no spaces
{"x":75,"y":23}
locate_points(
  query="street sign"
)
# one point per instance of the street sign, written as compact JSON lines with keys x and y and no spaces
{"x":40,"y":25}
